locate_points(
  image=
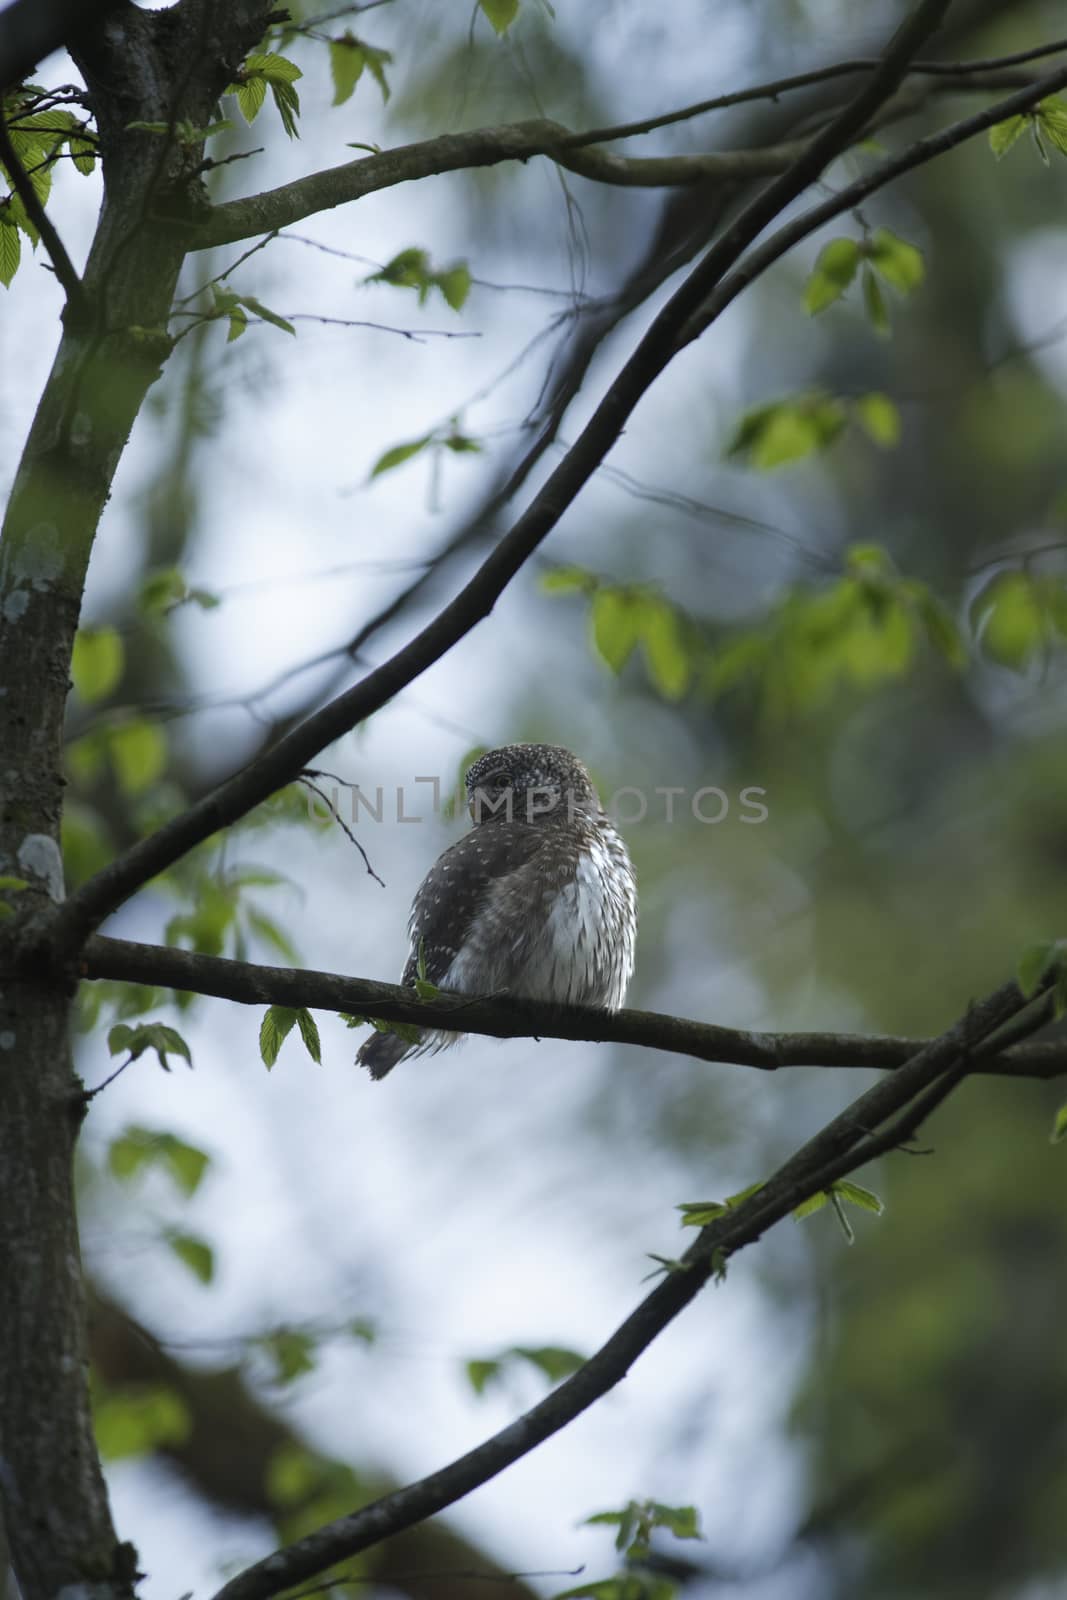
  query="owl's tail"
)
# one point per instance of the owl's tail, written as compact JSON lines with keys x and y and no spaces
{"x":381,"y":1053}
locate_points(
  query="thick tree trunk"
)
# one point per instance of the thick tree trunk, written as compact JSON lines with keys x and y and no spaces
{"x":153,"y":67}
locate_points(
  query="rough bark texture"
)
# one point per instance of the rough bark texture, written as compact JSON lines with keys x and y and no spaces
{"x":139,"y":66}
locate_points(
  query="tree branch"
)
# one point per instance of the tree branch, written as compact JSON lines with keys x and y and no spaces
{"x":916,"y":155}
{"x":453,"y":152}
{"x":78,"y":312}
{"x":804,"y":80}
{"x":870,"y":1125}
{"x":32,"y":29}
{"x":107,"y":889}
{"x":249,"y":983}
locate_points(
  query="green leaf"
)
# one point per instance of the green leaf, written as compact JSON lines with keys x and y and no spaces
{"x":138,"y":1418}
{"x":193,"y":1252}
{"x":1059,"y":1126}
{"x":501,"y":14}
{"x":455,"y":284}
{"x":83,"y":154}
{"x":940,"y":627}
{"x":461,"y":444}
{"x":274,"y":68}
{"x":9,"y":885}
{"x":263,"y":311}
{"x":280,"y":75}
{"x":682,"y":1521}
{"x":900,"y":263}
{"x":616,"y":616}
{"x":555,"y":1361}
{"x":835,"y":268}
{"x":138,"y":752}
{"x":813,"y":1203}
{"x":879,"y":418}
{"x":346,"y":66}
{"x":398,"y":454}
{"x":1002,"y":135}
{"x":1052,"y":115}
{"x":664,"y":649}
{"x":874,"y":303}
{"x":774,"y":435}
{"x":138,"y":1148}
{"x":377,"y":61}
{"x":277,"y":1024}
{"x":857,"y":1195}
{"x":481,"y":1373}
{"x":250,"y":97}
{"x":157,"y":1036}
{"x":161,"y":591}
{"x":291,"y":1351}
{"x":238,"y":320}
{"x":699,"y":1213}
{"x":97,"y":662}
{"x":567,"y":580}
{"x":1035,"y":961}
{"x":1013,"y":628}
{"x":408,"y":269}
{"x":10,"y":252}
{"x":309,"y":1033}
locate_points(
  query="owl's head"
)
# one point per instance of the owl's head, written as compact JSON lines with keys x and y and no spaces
{"x":530,"y":783}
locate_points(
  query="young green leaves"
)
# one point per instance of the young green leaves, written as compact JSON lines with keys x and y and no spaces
{"x":554,"y":1362}
{"x":155,"y":1036}
{"x":881,"y":257}
{"x":1019,"y":615}
{"x":625,"y":616}
{"x":787,"y":430}
{"x":260,"y":72}
{"x":1047,"y":123}
{"x":413,"y":269}
{"x":38,"y":138}
{"x":276,"y":1026}
{"x":348,"y":58}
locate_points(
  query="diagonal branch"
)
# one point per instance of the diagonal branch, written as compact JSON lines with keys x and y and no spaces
{"x":249,"y":983}
{"x":916,"y":155}
{"x":86,"y":909}
{"x":78,"y":312}
{"x":871,"y":1125}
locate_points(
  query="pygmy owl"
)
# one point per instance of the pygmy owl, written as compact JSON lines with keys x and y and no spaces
{"x":538,"y":900}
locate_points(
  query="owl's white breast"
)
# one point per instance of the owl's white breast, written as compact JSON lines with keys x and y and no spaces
{"x":575,"y":947}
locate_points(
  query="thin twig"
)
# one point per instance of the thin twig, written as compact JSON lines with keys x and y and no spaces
{"x":305,"y":779}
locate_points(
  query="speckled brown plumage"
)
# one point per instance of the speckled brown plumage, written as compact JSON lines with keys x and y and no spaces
{"x":538,"y":900}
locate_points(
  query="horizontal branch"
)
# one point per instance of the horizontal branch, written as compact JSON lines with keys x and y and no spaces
{"x":454,"y":152}
{"x":889,"y":1112}
{"x":248,"y":983}
{"x":967,"y":71}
